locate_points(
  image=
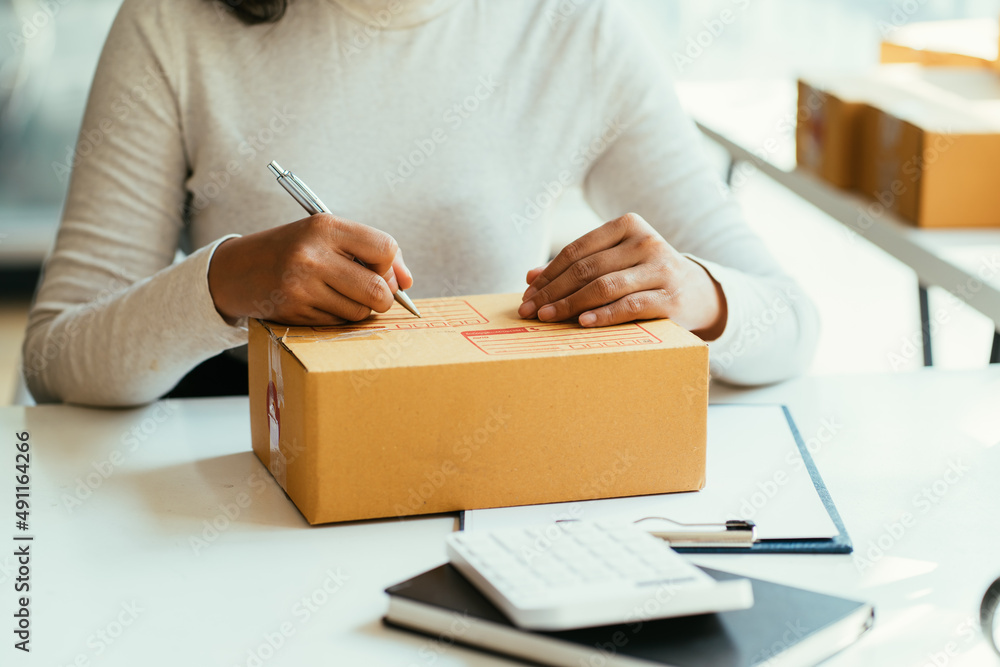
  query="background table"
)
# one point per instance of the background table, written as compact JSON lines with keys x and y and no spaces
{"x":754,"y":123}
{"x":185,"y":537}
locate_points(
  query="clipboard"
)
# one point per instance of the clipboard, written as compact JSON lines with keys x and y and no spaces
{"x":838,"y":544}
{"x":741,"y":536}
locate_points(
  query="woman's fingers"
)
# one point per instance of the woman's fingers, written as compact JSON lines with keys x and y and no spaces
{"x":532,"y":274}
{"x":620,"y":272}
{"x":604,"y":290}
{"x":357,"y":284}
{"x":606,"y":236}
{"x":304,"y":272}
{"x":646,"y":305}
{"x":375,"y":248}
{"x":576,"y":277}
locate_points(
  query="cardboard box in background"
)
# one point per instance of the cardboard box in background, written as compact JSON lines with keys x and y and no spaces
{"x":831,"y":109}
{"x":888,"y":166}
{"x":472,"y":407}
{"x":923,"y":141}
{"x":957,"y":43}
{"x":932,"y":150}
{"x":825,"y":135}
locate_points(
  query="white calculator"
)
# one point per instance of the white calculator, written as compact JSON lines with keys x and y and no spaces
{"x":580,"y":574}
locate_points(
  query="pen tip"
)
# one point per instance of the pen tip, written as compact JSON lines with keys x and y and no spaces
{"x":275,"y":168}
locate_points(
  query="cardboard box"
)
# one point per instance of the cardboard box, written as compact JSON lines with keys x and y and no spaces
{"x":828,"y":132}
{"x":931,"y":153}
{"x":957,"y":43}
{"x":922,"y":141}
{"x":473,"y":407}
{"x":825,"y":134}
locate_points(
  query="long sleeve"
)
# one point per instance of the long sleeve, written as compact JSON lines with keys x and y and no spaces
{"x":440,"y":132}
{"x":116,"y":322}
{"x":654,"y":165}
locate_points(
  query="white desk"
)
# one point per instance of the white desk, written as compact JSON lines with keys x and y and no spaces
{"x":754,"y":122}
{"x":130,"y":541}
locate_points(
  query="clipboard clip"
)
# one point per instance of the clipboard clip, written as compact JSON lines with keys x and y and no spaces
{"x":733,"y":534}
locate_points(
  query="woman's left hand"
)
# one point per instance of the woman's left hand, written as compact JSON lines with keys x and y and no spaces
{"x":624,"y":271}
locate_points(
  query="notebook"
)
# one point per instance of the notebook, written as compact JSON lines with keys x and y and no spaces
{"x":787,"y":626}
{"x":759,"y":468}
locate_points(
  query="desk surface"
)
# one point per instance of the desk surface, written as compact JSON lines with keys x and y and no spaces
{"x":127,"y":567}
{"x":754,"y":121}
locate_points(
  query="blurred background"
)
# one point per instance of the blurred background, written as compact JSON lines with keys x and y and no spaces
{"x":867,"y":299}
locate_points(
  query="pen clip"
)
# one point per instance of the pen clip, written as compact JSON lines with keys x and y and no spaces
{"x":307,"y":191}
{"x":299,"y":191}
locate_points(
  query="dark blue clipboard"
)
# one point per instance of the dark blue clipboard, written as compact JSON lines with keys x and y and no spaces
{"x":838,"y":544}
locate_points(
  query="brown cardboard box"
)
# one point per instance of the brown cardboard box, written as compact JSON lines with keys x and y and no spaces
{"x":957,"y":43}
{"x":825,"y":134}
{"x":923,"y":141}
{"x":888,"y":165}
{"x":930,"y":153}
{"x":473,"y":407}
{"x":829,"y":121}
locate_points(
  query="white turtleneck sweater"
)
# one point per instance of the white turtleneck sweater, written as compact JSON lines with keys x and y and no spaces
{"x":450,"y":124}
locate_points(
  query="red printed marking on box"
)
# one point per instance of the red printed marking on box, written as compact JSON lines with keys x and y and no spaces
{"x":562,"y":337}
{"x":435,"y":314}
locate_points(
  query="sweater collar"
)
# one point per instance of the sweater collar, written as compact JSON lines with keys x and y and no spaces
{"x":395,"y":14}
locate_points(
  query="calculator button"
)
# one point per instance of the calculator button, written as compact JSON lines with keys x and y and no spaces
{"x":579,"y":574}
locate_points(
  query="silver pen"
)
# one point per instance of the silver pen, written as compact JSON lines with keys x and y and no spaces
{"x":308,"y":200}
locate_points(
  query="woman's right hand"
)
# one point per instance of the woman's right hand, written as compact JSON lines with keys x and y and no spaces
{"x":303,"y":273}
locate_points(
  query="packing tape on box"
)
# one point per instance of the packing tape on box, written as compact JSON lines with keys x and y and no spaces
{"x":373,"y":334}
{"x":275,"y":401}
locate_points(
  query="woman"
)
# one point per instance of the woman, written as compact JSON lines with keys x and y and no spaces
{"x":442,"y":129}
